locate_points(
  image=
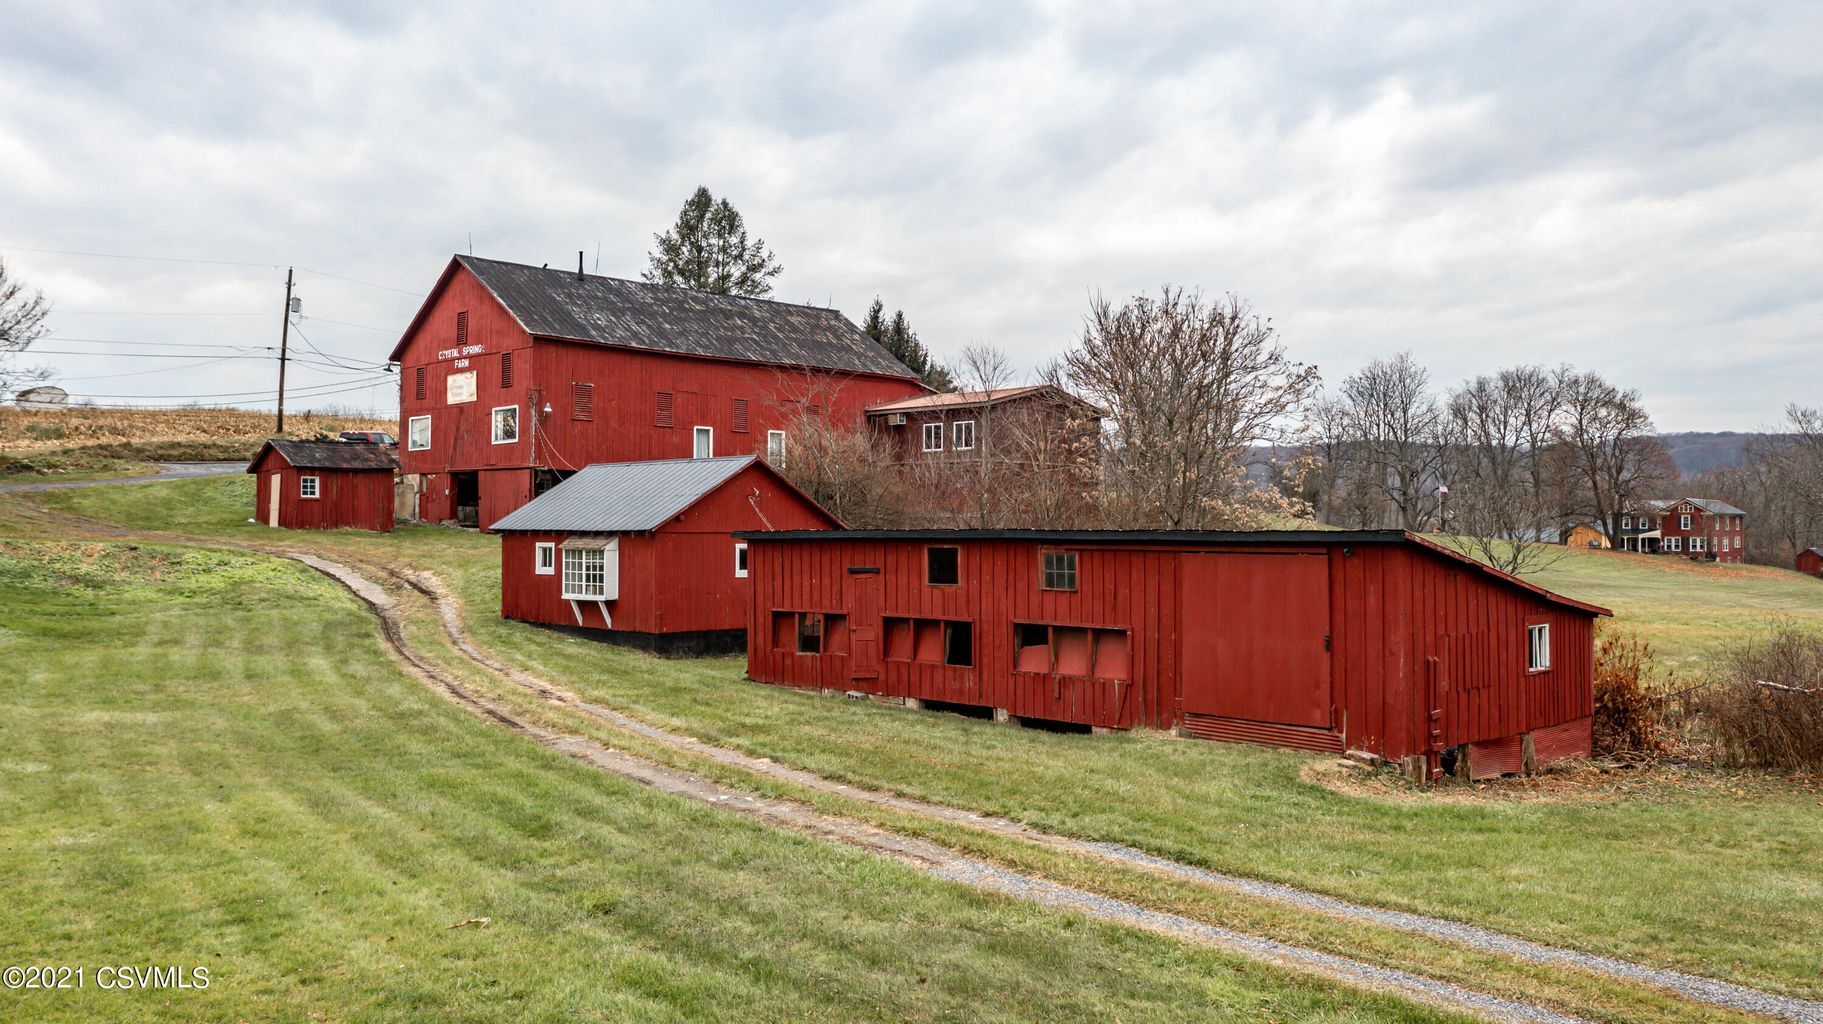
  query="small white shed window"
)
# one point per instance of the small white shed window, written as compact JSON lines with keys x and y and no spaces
{"x":1538,"y":647}
{"x":933,"y":437}
{"x":544,"y":562}
{"x":705,"y":443}
{"x":506,"y":424}
{"x":775,"y":448}
{"x":591,"y":568}
{"x":962,"y":435}
{"x":740,"y":561}
{"x":417,"y":434}
{"x":307,"y":487}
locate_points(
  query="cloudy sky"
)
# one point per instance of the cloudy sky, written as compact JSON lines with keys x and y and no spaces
{"x":1635,"y":188}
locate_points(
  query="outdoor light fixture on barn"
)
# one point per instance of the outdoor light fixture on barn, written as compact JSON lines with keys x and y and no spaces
{"x":1318,"y":640}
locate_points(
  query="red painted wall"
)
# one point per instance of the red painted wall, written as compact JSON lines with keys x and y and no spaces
{"x":1714,"y":529}
{"x":622,"y":423}
{"x":1810,"y":562}
{"x":1391,"y":608}
{"x":677,"y":579}
{"x":352,"y":499}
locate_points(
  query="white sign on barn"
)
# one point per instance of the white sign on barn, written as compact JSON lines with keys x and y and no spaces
{"x":461,"y":388}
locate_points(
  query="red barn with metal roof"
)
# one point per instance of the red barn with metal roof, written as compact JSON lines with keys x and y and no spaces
{"x":1372,"y":640}
{"x":324,"y":485}
{"x":1810,"y":560}
{"x":643,"y":553}
{"x":512,"y":377}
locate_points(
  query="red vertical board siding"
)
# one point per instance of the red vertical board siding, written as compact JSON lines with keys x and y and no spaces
{"x":1390,"y":608}
{"x":347,"y":499}
{"x":676,"y":579}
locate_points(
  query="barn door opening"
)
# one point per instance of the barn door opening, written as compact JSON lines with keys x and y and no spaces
{"x":467,"y":492}
{"x":864,"y":625}
{"x":1256,"y":637}
{"x":273,"y":487}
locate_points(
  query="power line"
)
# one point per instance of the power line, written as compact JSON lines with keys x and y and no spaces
{"x":137,"y":355}
{"x":369,"y":284}
{"x":325,"y":355}
{"x":353,"y":386}
{"x":200,"y":262}
{"x":162,"y":344}
{"x":344,"y":323}
{"x":206,"y":360}
{"x":120,"y":312}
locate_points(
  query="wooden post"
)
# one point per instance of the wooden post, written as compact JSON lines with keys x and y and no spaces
{"x":284,"y":345}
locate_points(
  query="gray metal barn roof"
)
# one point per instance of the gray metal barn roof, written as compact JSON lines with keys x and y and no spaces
{"x":623,"y":497}
{"x":667,"y":318}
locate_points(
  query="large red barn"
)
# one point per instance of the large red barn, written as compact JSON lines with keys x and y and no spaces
{"x":1374,"y":640}
{"x":512,"y":377}
{"x":643,"y":553}
{"x":323,"y":485}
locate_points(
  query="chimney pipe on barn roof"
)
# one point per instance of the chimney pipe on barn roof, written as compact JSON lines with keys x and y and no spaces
{"x":579,"y":264}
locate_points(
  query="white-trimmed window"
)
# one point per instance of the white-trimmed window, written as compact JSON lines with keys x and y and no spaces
{"x":585,"y":574}
{"x":1683,"y":521}
{"x":1674,"y":543}
{"x":933,"y":437}
{"x":308,"y":487}
{"x":962,"y":435}
{"x":1696,"y":543}
{"x":1538,"y":647}
{"x":740,"y":561}
{"x":417,"y":434}
{"x":775,"y":448}
{"x":544,"y":558}
{"x":705,"y":443}
{"x":1626,"y":522}
{"x":506,"y":424}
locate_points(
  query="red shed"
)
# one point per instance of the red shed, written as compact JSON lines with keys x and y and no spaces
{"x":1371,"y":640}
{"x":643,"y":553}
{"x":324,"y":485}
{"x":1810,"y":560}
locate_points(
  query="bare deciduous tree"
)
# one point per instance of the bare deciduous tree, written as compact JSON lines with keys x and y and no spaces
{"x":1611,"y":448}
{"x":22,"y":316}
{"x":1395,"y":421}
{"x":1188,"y":385}
{"x":1499,"y":434}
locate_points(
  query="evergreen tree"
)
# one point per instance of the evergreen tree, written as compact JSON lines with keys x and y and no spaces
{"x":707,"y":249}
{"x":897,"y":337}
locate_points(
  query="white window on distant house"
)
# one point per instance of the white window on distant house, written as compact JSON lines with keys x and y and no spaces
{"x":1696,"y":543}
{"x":506,"y":424}
{"x":705,"y":443}
{"x":417,"y":434}
{"x":1683,"y":522}
{"x":740,"y":561}
{"x":775,"y":448}
{"x":1674,"y":543}
{"x":1626,"y":522}
{"x":962,"y":435}
{"x":585,"y":574}
{"x":544,"y":559}
{"x":933,"y":437}
{"x":307,"y":487}
{"x":1538,"y":647}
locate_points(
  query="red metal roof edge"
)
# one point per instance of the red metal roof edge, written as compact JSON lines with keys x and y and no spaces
{"x":1507,"y":577}
{"x":995,"y":396}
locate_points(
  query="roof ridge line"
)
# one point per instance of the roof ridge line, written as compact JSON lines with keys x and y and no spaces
{"x":652,"y":284}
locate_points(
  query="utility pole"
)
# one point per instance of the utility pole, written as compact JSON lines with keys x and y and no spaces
{"x":284,"y":344}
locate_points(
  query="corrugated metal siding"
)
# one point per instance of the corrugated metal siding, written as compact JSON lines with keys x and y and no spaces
{"x":1571,"y":739}
{"x":621,"y":497}
{"x":1265,"y":734}
{"x":1493,"y":758}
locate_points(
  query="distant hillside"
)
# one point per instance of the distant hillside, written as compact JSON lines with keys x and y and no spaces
{"x":1699,"y":452}
{"x":83,"y":439}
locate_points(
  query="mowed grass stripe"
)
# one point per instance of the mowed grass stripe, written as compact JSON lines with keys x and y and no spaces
{"x":274,"y":821}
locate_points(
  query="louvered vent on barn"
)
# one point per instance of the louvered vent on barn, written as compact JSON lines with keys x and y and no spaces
{"x":664,"y":409}
{"x":582,"y":400}
{"x":417,"y":390}
{"x":740,"y":415}
{"x":462,"y":327}
{"x":506,"y":369}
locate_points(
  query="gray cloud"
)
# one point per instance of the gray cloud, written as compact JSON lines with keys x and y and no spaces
{"x":1629,"y":187}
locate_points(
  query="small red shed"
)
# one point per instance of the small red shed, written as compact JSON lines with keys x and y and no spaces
{"x":643,"y":553}
{"x":1810,"y":560}
{"x":1371,"y":640}
{"x":324,"y":485}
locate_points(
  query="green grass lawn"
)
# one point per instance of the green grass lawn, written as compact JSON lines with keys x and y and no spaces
{"x":206,"y":759}
{"x":1722,"y":878}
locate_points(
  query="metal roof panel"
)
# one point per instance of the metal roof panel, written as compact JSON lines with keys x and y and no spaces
{"x":623,"y":497}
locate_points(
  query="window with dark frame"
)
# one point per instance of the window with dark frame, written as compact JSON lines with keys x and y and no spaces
{"x":942,"y":566}
{"x":810,"y":633}
{"x":1058,"y":570}
{"x":959,"y":644}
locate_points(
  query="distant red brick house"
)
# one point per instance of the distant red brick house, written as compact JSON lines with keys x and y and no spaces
{"x":1810,"y":560}
{"x":642,"y":553}
{"x":324,"y":485}
{"x":512,"y":377}
{"x":1702,"y":529}
{"x":958,"y":424}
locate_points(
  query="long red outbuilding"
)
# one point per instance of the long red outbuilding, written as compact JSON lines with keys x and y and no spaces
{"x":1370,"y":640}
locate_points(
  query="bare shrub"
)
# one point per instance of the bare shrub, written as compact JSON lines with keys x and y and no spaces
{"x":1767,"y":709}
{"x":1628,"y":716}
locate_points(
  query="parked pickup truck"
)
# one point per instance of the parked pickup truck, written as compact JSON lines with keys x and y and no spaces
{"x":369,"y":437}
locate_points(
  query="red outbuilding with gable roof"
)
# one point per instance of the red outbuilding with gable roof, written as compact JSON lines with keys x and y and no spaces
{"x":324,"y":485}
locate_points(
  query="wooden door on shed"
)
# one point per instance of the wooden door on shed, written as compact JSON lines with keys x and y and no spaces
{"x":1255,"y":637}
{"x":864,"y":627}
{"x":273,"y":487}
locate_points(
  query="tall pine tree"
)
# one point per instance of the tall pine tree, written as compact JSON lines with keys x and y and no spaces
{"x":897,"y":337}
{"x":707,"y":249}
